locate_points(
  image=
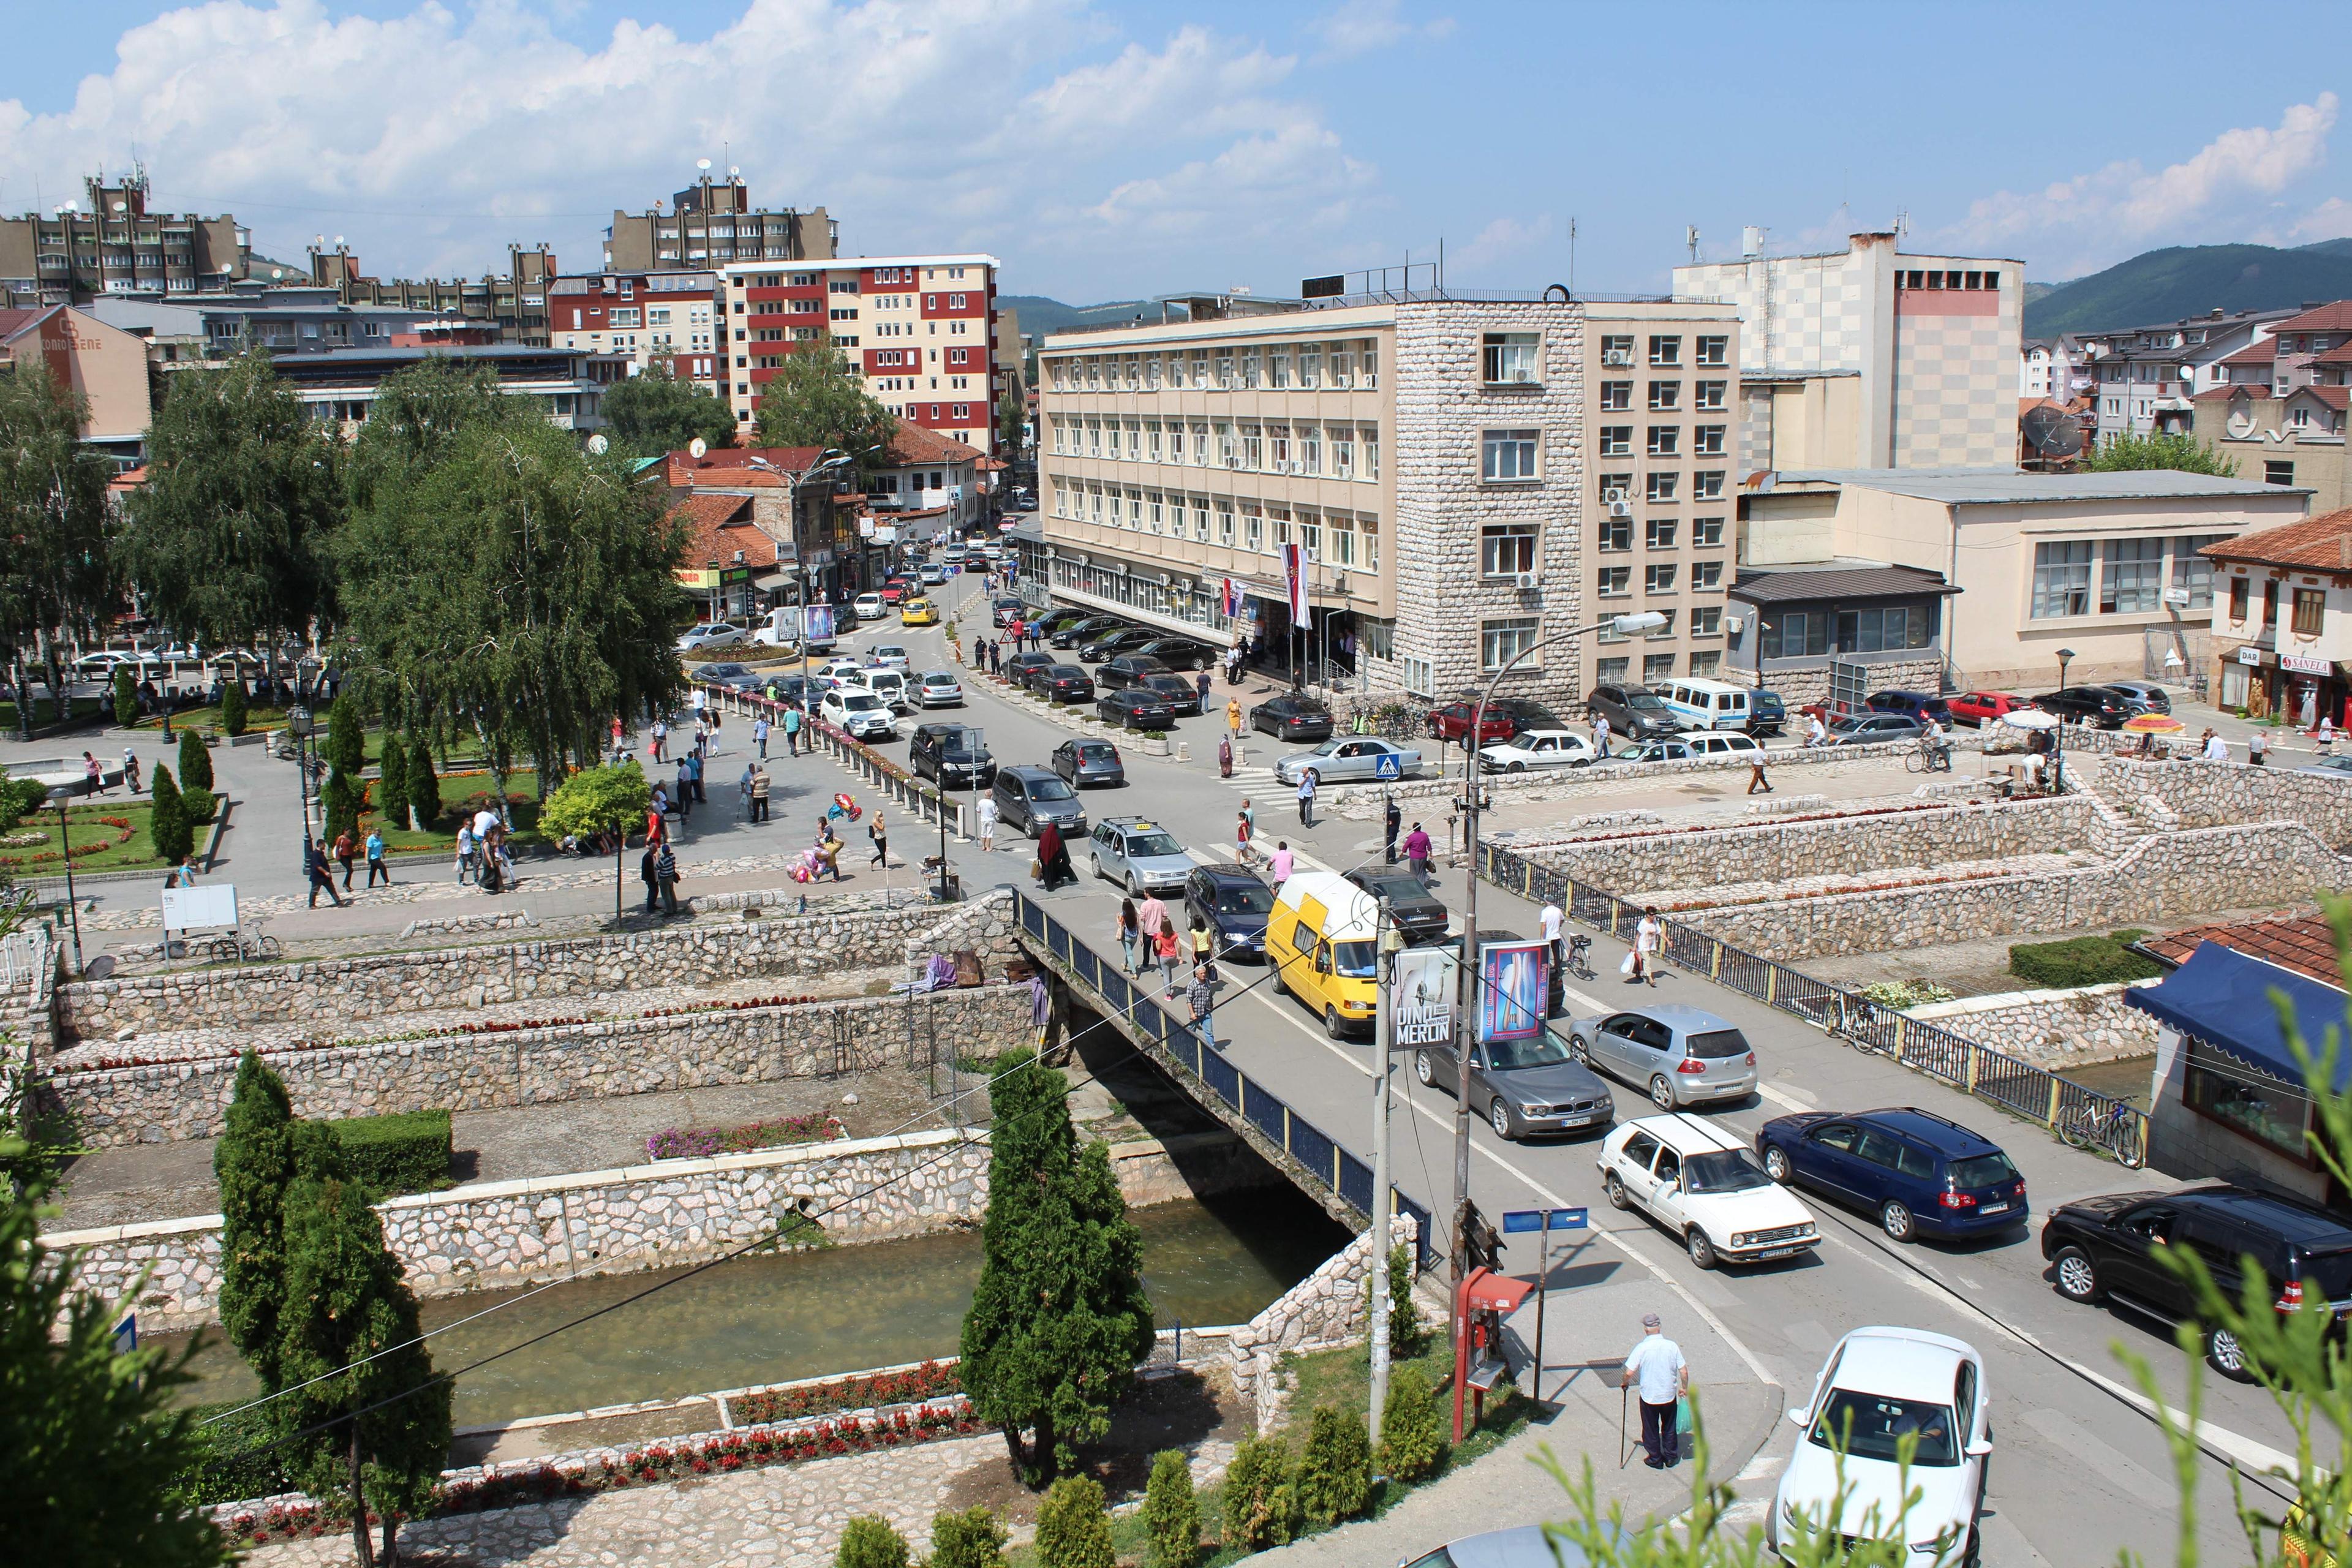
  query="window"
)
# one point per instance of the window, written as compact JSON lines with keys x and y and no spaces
{"x":1200,"y":441}
{"x":1714,"y":351}
{"x":2310,"y":605}
{"x":1228,"y":454}
{"x":1343,"y":540}
{"x":1705,"y":666}
{"x":1280,"y":517}
{"x":1794,"y":634}
{"x":1617,"y":349}
{"x":1706,"y":621}
{"x":1707,"y":440}
{"x":1278,"y":442}
{"x":1612,"y":671}
{"x":1658,"y":577}
{"x":1884,"y":627}
{"x":1252,"y":367}
{"x":1706,"y":575}
{"x":1665,"y":440}
{"x":1224,"y":370}
{"x":1224,"y":522}
{"x":1666,"y":351}
{"x":1367,"y":528}
{"x":1343,"y":366}
{"x":1666,"y":395}
{"x":1277,"y":368}
{"x":2062,"y":580}
{"x":1507,"y":549}
{"x":1368,"y":355}
{"x":1616,"y":488}
{"x":1707,"y":485}
{"x":1659,"y":533}
{"x":1662,"y":487}
{"x":1508,"y":359}
{"x":1252,"y":528}
{"x":1154,"y":511}
{"x":1709,"y":395}
{"x":1510,"y":456}
{"x":1369,"y":438}
{"x":1343,"y":452}
{"x":1311,"y":365}
{"x":2240,"y":590}
{"x":1152,"y":439}
{"x":1658,"y":668}
{"x":1616,"y":582}
{"x":1500,"y":642}
{"x":1616,"y":395}
{"x":1309,"y":449}
{"x":1615,"y":533}
{"x":1616,"y":440}
{"x":2131,"y":580}
{"x":1310,"y":534}
{"x":2278,"y":1114}
{"x":2278,"y":473}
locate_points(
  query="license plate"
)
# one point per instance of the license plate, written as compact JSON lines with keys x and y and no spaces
{"x":1993,"y":1208}
{"x":1774,"y":1252}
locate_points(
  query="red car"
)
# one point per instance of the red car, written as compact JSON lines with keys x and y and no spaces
{"x":1452,"y":722}
{"x":894,"y":591}
{"x":1982,"y":708}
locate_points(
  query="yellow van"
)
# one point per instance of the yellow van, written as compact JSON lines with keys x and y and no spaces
{"x":1323,"y":939}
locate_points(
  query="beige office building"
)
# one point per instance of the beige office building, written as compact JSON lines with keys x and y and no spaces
{"x":1430,"y":456}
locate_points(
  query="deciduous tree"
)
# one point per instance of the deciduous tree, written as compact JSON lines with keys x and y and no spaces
{"x":2185,"y":453}
{"x":656,"y":413}
{"x":56,"y":579}
{"x":610,"y":799}
{"x":817,"y":398}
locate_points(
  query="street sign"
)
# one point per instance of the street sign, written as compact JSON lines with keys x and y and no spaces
{"x":1387,"y":766}
{"x":1517,"y":1220}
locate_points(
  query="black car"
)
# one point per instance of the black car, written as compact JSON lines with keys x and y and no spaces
{"x":1064,"y":682}
{"x":1082,"y":762}
{"x":1084,"y":629}
{"x":954,"y":754}
{"x":1008,"y":608}
{"x":1232,"y":903}
{"x":1635,"y":712}
{"x":1179,"y":653}
{"x":1053,"y":620}
{"x":1292,"y":716}
{"x":790,"y":688}
{"x":1136,"y":711}
{"x":1527,"y":715}
{"x":1183,"y":695}
{"x":1018,"y":664}
{"x":1421,"y":915}
{"x":2122,"y":1245}
{"x":1111,"y":644}
{"x":975,"y":561}
{"x":1127,"y":669}
{"x":2102,"y":706}
{"x":2151,"y":698}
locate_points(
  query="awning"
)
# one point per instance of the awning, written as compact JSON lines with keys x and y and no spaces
{"x":2226,"y":1000}
{"x":771,"y":580}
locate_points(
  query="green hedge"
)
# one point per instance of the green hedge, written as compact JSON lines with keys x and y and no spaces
{"x":408,"y":1152}
{"x":227,"y":1466}
{"x":2082,"y":960}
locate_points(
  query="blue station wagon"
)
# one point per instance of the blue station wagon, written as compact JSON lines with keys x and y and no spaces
{"x":1917,"y":1171}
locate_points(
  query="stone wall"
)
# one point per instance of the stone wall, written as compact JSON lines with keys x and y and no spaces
{"x":1326,"y":1307}
{"x":2206,"y":794}
{"x":2053,"y":1029}
{"x":359,"y":989}
{"x":561,"y":1062}
{"x":28,"y":1011}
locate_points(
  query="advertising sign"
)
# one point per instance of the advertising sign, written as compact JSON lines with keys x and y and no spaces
{"x":1425,"y":985}
{"x":192,"y":908}
{"x":1515,"y":985}
{"x":816,"y":623}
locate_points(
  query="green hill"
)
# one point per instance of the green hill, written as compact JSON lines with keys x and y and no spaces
{"x":1040,"y":315}
{"x":2189,"y":281}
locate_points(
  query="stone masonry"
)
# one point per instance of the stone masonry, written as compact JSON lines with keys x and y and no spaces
{"x":2053,"y":1029}
{"x":1326,"y":1307}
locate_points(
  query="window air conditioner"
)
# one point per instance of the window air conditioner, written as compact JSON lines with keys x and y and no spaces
{"x":1735,"y":624}
{"x":1525,"y":581}
{"x":1620,"y":508}
{"x":1613,"y":494}
{"x":1617,"y":356}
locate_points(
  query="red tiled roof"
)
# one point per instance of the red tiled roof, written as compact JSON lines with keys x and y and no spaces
{"x":992,"y":465}
{"x":2340,"y":355}
{"x":733,"y":465}
{"x":717,"y":527}
{"x":2263,"y":352}
{"x":2305,"y":945}
{"x":2332,"y":317}
{"x":2213,"y":393}
{"x":2315,"y":541}
{"x":2339,"y":398}
{"x":15,"y":321}
{"x":916,"y":444}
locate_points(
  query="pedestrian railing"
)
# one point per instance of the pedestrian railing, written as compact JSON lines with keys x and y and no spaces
{"x":2020,"y":1086}
{"x":1311,"y":1150}
{"x":24,"y":955}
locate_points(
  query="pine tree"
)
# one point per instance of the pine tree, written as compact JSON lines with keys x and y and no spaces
{"x":231,"y":704}
{"x":195,"y":761}
{"x":126,"y":696}
{"x":254,"y":1163}
{"x":169,"y":830}
{"x":973,"y":1538}
{"x":392,"y":783}
{"x":346,"y":753}
{"x":868,"y":1542}
{"x":1412,"y":1439}
{"x":1171,"y":1514}
{"x":1260,"y":1502}
{"x":1404,"y":1320}
{"x":1072,"y":1531}
{"x":424,"y":789}
{"x":1335,"y":1473}
{"x":1059,"y":1317}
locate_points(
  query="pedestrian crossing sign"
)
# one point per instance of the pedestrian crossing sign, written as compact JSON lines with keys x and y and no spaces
{"x":1387,"y":766}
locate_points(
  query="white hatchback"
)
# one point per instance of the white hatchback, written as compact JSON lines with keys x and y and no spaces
{"x":1705,"y":1187}
{"x":1537,"y":748}
{"x":868,"y":606}
{"x":1909,"y":1410}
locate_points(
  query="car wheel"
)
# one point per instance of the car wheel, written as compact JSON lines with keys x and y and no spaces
{"x":1422,"y":1070}
{"x":1331,"y":1025}
{"x":1499,"y":1116}
{"x":1436,"y":731}
{"x":1134,"y":886}
{"x":2227,"y":1353}
{"x":1776,"y":1165}
{"x":1576,"y":1049}
{"x":1702,"y":1250}
{"x":1096,"y":861}
{"x":2078,"y":1279}
{"x":1516,"y":768}
{"x":1973,"y":1554}
{"x":1896,"y":1219}
{"x":1661,"y":1092}
{"x":1615,"y":1190}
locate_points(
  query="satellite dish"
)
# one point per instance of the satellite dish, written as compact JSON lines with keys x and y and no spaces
{"x":2051,"y":431}
{"x":121,"y":207}
{"x":274,"y":273}
{"x":696,"y":447}
{"x":733,"y":169}
{"x":702,"y":164}
{"x":597,"y":444}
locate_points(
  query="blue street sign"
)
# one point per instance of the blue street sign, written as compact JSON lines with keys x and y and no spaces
{"x":126,"y":1335}
{"x":1517,"y":1220}
{"x":1387,"y":766}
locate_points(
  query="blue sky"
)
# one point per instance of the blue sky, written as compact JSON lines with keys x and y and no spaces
{"x":1109,"y":150}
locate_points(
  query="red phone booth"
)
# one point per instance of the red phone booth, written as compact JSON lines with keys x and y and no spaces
{"x":1485,"y":1300}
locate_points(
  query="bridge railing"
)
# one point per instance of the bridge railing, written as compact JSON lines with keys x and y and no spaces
{"x":1322,"y":1156}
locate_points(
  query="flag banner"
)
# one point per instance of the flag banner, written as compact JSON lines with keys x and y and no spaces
{"x":1293,"y":566}
{"x":1232,"y":600}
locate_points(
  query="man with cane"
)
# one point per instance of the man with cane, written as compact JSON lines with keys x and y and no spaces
{"x":1657,"y":1364}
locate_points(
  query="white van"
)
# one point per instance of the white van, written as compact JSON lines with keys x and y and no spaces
{"x":890,"y":685}
{"x":1700,"y":704}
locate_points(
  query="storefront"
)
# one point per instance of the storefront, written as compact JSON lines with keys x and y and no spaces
{"x":2295,"y":687}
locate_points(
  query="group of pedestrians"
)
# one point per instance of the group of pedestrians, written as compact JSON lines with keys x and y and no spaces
{"x":1147,"y":936}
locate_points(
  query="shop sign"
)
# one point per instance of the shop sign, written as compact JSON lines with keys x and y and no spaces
{"x":2249,"y":654}
{"x":2303,"y":664}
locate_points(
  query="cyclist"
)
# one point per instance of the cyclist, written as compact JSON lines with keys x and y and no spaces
{"x":1934,"y":746}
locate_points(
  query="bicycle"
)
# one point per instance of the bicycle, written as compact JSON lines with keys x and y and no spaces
{"x":2106,"y":1127}
{"x":1929,"y":757}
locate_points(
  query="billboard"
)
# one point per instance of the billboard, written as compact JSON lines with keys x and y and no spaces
{"x":1423,"y":998}
{"x":1514,"y":987}
{"x":817,"y":623}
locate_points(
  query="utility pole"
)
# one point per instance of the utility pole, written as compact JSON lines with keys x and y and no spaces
{"x":1383,"y":1201}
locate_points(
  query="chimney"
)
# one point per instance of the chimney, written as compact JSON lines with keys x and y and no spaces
{"x":2344,"y":551}
{"x":2217,"y":313}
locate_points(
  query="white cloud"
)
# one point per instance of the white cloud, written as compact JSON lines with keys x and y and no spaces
{"x":2331,"y":219}
{"x":1360,"y":27}
{"x":2225,"y":182}
{"x":434,"y":136}
{"x":1506,"y":239}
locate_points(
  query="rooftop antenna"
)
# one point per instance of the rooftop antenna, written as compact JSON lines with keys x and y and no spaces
{"x":1901,"y":222}
{"x":1690,"y":238}
{"x":1571,"y":255}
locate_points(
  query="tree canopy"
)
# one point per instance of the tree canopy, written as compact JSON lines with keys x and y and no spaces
{"x":2186,"y":453}
{"x":608,"y":799}
{"x":55,"y":578}
{"x":818,"y":399}
{"x":656,"y":412}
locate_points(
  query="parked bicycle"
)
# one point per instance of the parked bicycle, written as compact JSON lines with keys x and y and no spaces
{"x":2105,"y":1125}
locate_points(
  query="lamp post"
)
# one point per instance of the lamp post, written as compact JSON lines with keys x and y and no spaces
{"x":2058,"y":742}
{"x":59,"y":797}
{"x":1642,"y":621}
{"x":300,"y":725}
{"x":828,"y":468}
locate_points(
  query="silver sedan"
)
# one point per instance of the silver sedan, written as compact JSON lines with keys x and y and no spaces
{"x":1346,"y":759}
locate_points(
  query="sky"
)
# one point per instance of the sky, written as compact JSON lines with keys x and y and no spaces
{"x":1108,"y":150}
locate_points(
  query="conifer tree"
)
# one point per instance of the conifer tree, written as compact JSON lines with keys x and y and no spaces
{"x":424,"y":788}
{"x":254,"y":1164}
{"x":1335,"y":1473}
{"x":391,"y":782}
{"x":1072,"y":1531}
{"x":168,"y":827}
{"x":195,"y":761}
{"x":232,"y":703}
{"x":973,"y":1538}
{"x":1171,"y":1514}
{"x":868,"y":1542}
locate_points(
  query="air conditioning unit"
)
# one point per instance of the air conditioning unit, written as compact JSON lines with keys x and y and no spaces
{"x":1524,"y":581}
{"x":1615,"y":494}
{"x":1617,"y":356}
{"x":1735,"y":624}
{"x":1620,"y":508}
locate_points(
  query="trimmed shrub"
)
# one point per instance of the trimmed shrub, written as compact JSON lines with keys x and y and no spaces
{"x":867,"y":1541}
{"x":391,"y":782}
{"x":405,"y":1153}
{"x":1334,"y":1474}
{"x":169,"y":830}
{"x":1072,"y":1531}
{"x":195,"y":761}
{"x":424,"y":788}
{"x":1171,"y":1515}
{"x":19,"y":798}
{"x":232,"y":708}
{"x":1404,"y":1319}
{"x":1412,"y":1439}
{"x":201,"y":805}
{"x":971,"y":1538}
{"x":2082,"y":960}
{"x":126,"y":696}
{"x":1901,"y":994}
{"x":1260,"y":1503}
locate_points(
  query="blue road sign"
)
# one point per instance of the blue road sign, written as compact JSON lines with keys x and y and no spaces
{"x":1518,"y":1220}
{"x":1387,"y":766}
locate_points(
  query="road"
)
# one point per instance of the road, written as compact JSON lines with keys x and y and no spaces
{"x":2081,"y":1469}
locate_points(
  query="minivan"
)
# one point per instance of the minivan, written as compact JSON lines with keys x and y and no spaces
{"x":1323,"y":939}
{"x":1704,"y":704}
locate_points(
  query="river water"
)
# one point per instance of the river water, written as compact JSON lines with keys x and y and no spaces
{"x":761,"y":1320}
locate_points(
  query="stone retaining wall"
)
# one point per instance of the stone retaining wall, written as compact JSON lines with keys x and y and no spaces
{"x":359,"y":989}
{"x":1326,"y":1307}
{"x":2055,"y":1029}
{"x":2206,"y":794}
{"x":561,"y":1062}
{"x":27,"y":1013}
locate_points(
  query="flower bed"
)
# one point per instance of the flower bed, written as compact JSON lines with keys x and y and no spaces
{"x":122,"y":831}
{"x":701,"y":1143}
{"x":930,"y":1380}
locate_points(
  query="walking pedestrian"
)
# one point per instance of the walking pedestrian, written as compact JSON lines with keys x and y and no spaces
{"x":988,"y":823}
{"x":1757,"y":783}
{"x":1224,"y":756}
{"x":2258,"y":750}
{"x":1390,"y":821}
{"x":1278,"y":865}
{"x":1306,"y":798}
{"x":1600,"y":734}
{"x":1241,"y":834}
{"x":1129,"y":929}
{"x":1204,"y":942}
{"x":465,"y":850}
{"x":1201,"y":687}
{"x":685,"y":796}
{"x":1416,"y":854}
{"x":793,"y":722}
{"x":760,"y":794}
{"x":1548,"y":919}
{"x":94,"y":772}
{"x":2323,"y":740}
{"x":1053,"y":859}
{"x":618,"y":733}
{"x":347,"y":854}
{"x":666,"y":873}
{"x":2217,"y":749}
{"x":1233,"y":717}
{"x":661,"y":739}
{"x":880,"y":835}
{"x":377,"y":868}
{"x":1152,"y":918}
{"x":322,"y":878}
{"x":1656,"y":1369}
{"x":759,"y":735}
{"x":701,"y":795}
{"x":1166,"y":948}
{"x":1201,"y":997}
{"x":647,"y":872}
{"x":130,"y":769}
{"x":1649,"y":937}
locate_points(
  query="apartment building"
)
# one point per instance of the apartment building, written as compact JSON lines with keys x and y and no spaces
{"x":1429,"y":456}
{"x":2058,"y":369}
{"x":921,"y":330}
{"x":711,"y":223}
{"x":108,"y":243}
{"x":2283,"y":411}
{"x":1871,"y":357}
{"x":341,"y":386}
{"x":104,"y":366}
{"x":2282,"y":620}
{"x":514,"y":301}
{"x":2148,"y":378}
{"x":644,"y":317}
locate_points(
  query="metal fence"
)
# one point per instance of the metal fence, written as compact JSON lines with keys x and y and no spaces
{"x":1322,"y":1155}
{"x":2030,"y":1091}
{"x":23,"y":956}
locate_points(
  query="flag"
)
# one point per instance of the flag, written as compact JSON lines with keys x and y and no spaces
{"x":1232,"y":600}
{"x":1294,"y":568}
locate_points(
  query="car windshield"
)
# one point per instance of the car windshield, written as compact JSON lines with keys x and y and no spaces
{"x":1245,"y":898}
{"x":939,"y":678}
{"x":1049,"y":789}
{"x":859,"y":701}
{"x":1544,"y":1050}
{"x":1152,"y":843}
{"x":1644,"y":701}
{"x":1724,"y":1171}
{"x":1717,"y":1044}
{"x":1982,"y":1171}
{"x":1328,"y":748}
{"x":1874,"y":1427}
{"x":1098,"y":752}
{"x":1353,"y":960}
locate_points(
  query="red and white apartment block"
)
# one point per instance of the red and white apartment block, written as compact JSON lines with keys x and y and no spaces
{"x":646,"y":316}
{"x":921,"y":329}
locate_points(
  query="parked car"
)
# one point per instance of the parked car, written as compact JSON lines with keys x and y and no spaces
{"x":1917,"y":1171}
{"x":1016,"y":666}
{"x":1179,"y":653}
{"x":1084,"y":762}
{"x":1524,"y":1087}
{"x":1232,"y":903}
{"x":1700,"y":1183}
{"x":1292,"y":716}
{"x":1183,"y":695}
{"x":1027,"y":798}
{"x":1897,"y":1435}
{"x":1126,"y":639}
{"x":1349,"y":759}
{"x":1695,"y":744}
{"x":2119,"y":1246}
{"x":1452,"y":722}
{"x":938,"y":689}
{"x":889,"y":656}
{"x":1634,"y":712}
{"x":1521,"y":1546}
{"x":1766,"y":713}
{"x":1680,"y":1054}
{"x":700,"y":638}
{"x":1127,"y":669}
{"x":1537,"y":748}
{"x":919,"y":612}
{"x":2152,"y":698}
{"x":719,"y":674}
{"x":1140,"y":856}
{"x":1421,"y":915}
{"x":1086,"y":628}
{"x":865,"y":715}
{"x":868,"y":606}
{"x":932,"y":576}
{"x":2329,"y":768}
{"x":1069,"y":683}
{"x":2103,"y":705}
{"x":955,"y":755}
{"x":1982,"y":708}
{"x":1919,"y":705}
{"x":1135,"y":710}
{"x":1873,"y":728}
{"x":1008,"y":608}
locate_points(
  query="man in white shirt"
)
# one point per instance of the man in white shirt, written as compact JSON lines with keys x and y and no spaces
{"x":1816,"y":732}
{"x":2217,"y":749}
{"x":1600,"y":734}
{"x":1656,"y":1364}
{"x":1549,"y":919}
{"x":988,"y":822}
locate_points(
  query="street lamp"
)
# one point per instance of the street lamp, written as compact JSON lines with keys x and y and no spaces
{"x":1639,"y":621}
{"x":1391,"y":943}
{"x":58,"y":797}
{"x":300,"y":725}
{"x":2058,"y":742}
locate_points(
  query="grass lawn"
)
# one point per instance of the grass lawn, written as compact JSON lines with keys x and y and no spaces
{"x":458,"y":791}
{"x":85,"y":825}
{"x":257,"y":718}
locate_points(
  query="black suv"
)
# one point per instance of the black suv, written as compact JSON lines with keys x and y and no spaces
{"x":2121,"y":1245}
{"x":1421,"y":915}
{"x":1634,"y":712}
{"x":951,"y":753}
{"x":1233,"y":903}
{"x":1070,"y":633}
{"x":2102,"y":706}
